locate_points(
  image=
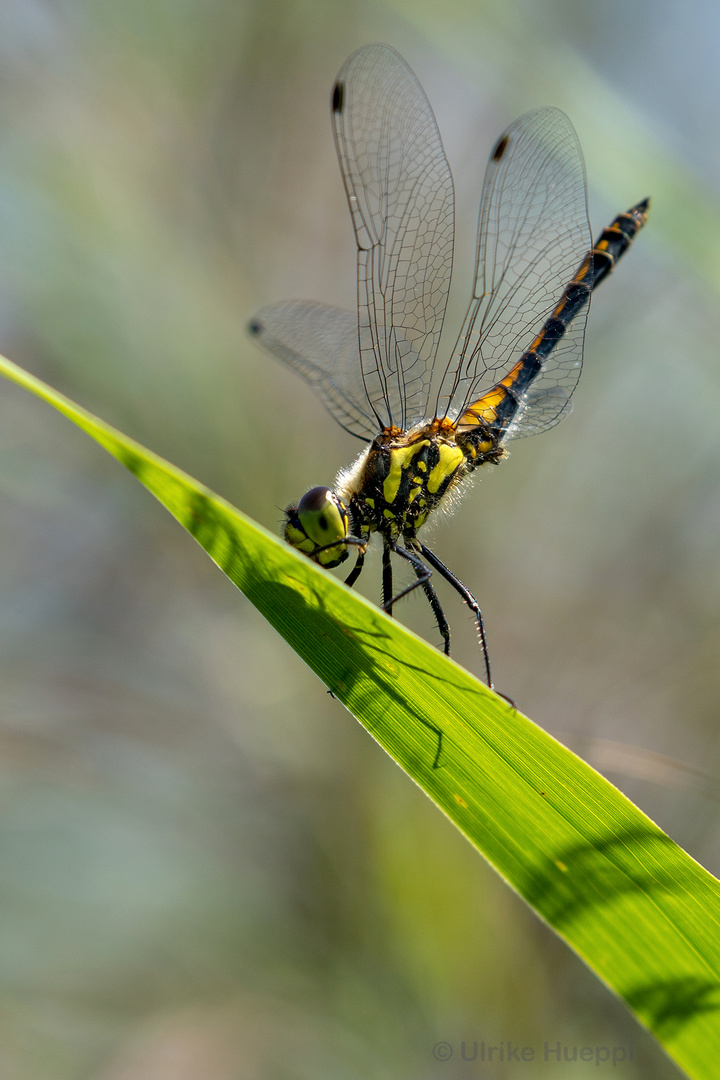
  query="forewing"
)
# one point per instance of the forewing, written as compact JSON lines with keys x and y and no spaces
{"x":532,"y":240}
{"x":321,"y":343}
{"x":400,"y":194}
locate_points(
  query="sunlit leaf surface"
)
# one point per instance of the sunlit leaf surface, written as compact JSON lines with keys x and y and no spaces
{"x":625,"y":897}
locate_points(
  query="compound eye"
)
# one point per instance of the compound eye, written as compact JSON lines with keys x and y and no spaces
{"x":322,"y":516}
{"x":319,"y":520}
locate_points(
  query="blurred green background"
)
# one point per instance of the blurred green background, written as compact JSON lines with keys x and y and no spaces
{"x":207,"y":868}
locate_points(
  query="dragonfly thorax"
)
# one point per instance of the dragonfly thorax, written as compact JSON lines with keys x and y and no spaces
{"x":402,"y":477}
{"x":390,"y":489}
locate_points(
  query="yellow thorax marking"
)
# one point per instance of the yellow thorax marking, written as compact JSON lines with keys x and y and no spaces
{"x":400,"y":459}
{"x":450,"y":458}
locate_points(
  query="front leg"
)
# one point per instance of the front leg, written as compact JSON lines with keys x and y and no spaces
{"x":387,"y":578}
{"x":357,"y":568}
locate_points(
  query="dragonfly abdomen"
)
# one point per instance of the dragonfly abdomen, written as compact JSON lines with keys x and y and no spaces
{"x":495,"y":409}
{"x":616,"y":239}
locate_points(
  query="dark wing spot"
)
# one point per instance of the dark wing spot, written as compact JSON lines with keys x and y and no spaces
{"x":255,"y":327}
{"x":338,"y":96}
{"x":500,"y":148}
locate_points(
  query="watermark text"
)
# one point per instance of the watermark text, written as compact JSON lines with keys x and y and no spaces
{"x":555,"y":1052}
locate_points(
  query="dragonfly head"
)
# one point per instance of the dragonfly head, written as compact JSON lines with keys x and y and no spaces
{"x":318,"y":525}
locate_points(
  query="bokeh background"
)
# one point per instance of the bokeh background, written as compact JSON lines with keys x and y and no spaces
{"x":207,"y":868}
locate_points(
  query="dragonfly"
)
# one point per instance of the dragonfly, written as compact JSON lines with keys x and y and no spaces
{"x":428,"y":425}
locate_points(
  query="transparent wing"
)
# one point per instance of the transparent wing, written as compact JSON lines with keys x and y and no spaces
{"x":533,"y":238}
{"x":321,"y":343}
{"x":400,"y":194}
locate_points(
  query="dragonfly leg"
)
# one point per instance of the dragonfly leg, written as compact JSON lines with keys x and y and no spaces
{"x":423,"y":580}
{"x":469,"y":600}
{"x":424,"y":573}
{"x":387,"y":579}
{"x":357,"y":568}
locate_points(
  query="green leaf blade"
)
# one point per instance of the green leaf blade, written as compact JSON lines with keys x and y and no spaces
{"x":640,"y":911}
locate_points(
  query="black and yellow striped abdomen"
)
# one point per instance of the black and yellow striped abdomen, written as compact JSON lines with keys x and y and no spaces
{"x":498,"y":406}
